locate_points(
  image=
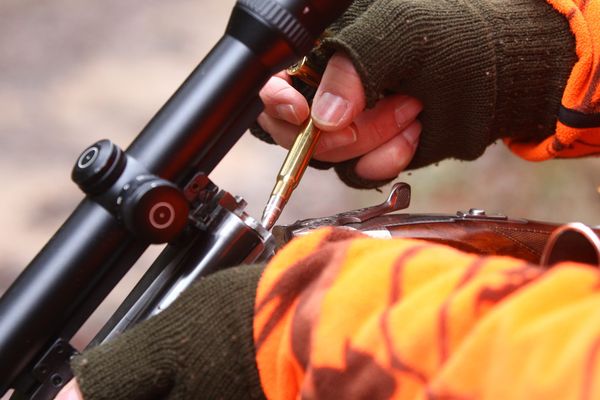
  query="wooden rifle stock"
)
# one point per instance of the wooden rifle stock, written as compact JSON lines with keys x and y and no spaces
{"x":473,"y":231}
{"x":512,"y":237}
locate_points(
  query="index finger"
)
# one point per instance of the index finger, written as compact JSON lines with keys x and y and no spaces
{"x":282,"y":101}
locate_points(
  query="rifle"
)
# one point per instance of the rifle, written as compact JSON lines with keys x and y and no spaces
{"x":217,"y":233}
{"x":156,"y":191}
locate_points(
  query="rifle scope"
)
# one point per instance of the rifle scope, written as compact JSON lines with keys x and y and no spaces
{"x":191,"y":133}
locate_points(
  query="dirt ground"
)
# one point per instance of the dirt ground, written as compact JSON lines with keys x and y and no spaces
{"x":72,"y":72}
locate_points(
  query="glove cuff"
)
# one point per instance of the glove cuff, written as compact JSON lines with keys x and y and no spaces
{"x":535,"y":53}
{"x":346,"y":171}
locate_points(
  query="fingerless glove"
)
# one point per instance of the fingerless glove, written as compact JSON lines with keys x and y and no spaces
{"x":484,"y":69}
{"x":200,"y":347}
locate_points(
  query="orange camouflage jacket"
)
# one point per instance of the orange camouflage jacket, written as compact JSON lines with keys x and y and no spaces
{"x":343,"y":316}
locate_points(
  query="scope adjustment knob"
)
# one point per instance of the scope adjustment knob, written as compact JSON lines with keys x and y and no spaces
{"x":153,"y":209}
{"x":99,"y":167}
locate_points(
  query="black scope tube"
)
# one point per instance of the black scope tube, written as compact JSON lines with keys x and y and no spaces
{"x":263,"y":37}
{"x":53,"y":286}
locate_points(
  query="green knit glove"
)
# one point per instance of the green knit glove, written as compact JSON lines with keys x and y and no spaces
{"x":200,"y":347}
{"x":484,"y":69}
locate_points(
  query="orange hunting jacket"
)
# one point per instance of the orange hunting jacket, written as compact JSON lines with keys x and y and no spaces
{"x":342,"y":316}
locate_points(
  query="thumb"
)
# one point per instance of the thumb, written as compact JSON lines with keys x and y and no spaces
{"x":340,"y":96}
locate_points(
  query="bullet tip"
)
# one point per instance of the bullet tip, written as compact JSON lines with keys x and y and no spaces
{"x":272,"y":211}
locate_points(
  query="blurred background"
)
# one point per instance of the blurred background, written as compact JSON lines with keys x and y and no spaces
{"x":73,"y":72}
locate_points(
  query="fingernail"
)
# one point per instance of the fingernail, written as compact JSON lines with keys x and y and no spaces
{"x":329,"y":109}
{"x":333,"y":140}
{"x":288,"y":113}
{"x":412,"y":133}
{"x":406,"y":112}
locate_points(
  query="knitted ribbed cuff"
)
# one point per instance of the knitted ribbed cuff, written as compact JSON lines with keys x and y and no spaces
{"x":200,"y":347}
{"x":346,"y":171}
{"x":535,"y":52}
{"x":258,"y":132}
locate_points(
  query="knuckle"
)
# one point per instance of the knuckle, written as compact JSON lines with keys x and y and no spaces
{"x":276,"y":90}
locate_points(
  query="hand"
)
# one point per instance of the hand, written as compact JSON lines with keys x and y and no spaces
{"x":70,"y":392}
{"x":201,"y":345}
{"x":471,"y":67}
{"x":384,"y":137}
